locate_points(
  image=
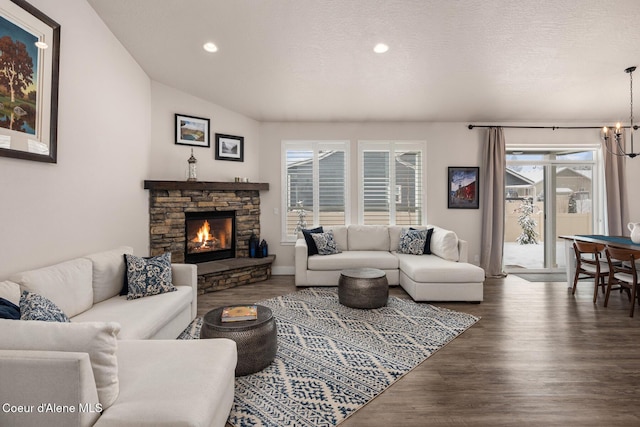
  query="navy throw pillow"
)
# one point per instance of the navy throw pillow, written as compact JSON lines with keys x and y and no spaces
{"x":9,"y":310}
{"x":312,"y":249}
{"x":427,"y":244}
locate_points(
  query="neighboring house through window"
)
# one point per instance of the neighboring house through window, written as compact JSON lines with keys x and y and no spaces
{"x":315,"y":180}
{"x":391,"y":182}
{"x":316,"y":176}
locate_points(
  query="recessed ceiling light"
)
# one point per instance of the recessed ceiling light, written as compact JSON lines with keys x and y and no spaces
{"x":210,"y":47}
{"x":380,"y":48}
{"x":41,"y":45}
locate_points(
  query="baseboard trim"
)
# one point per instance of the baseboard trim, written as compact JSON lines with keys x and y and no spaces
{"x":283,"y":271}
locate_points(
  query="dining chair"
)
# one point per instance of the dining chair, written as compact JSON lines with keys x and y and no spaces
{"x":623,"y":272}
{"x":589,"y":264}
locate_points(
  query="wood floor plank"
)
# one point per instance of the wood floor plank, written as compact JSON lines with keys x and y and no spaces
{"x":539,"y":356}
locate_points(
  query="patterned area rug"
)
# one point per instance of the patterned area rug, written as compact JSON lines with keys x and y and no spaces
{"x":333,"y":359}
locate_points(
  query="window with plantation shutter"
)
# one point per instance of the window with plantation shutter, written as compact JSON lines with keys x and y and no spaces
{"x":314,"y":185}
{"x":391,"y":183}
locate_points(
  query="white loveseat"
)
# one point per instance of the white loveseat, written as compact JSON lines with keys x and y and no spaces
{"x":117,"y":363}
{"x":444,"y":275}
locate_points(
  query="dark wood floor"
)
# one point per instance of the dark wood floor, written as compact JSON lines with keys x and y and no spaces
{"x":539,"y":356}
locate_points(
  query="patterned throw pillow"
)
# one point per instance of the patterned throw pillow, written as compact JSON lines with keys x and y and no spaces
{"x":427,"y":243}
{"x":148,"y":276}
{"x":412,"y":241}
{"x":325,"y":243}
{"x":37,"y":307}
{"x":312,"y":249}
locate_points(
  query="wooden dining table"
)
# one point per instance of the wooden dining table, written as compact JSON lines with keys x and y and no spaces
{"x":614,"y":241}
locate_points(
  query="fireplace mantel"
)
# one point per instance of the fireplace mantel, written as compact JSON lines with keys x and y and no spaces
{"x":205,"y":185}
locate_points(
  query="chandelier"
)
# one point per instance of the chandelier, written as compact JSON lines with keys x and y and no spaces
{"x":617,"y":148}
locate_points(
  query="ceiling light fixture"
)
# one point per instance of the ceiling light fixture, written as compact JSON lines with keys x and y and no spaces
{"x":210,"y":47}
{"x":380,"y":48}
{"x":618,"y":149}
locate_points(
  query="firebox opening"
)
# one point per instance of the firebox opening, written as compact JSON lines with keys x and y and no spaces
{"x":209,"y":236}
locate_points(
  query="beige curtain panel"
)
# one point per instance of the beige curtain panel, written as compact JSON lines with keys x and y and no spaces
{"x":492,"y":202}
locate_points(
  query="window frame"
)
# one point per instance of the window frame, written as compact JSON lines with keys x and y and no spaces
{"x":315,"y":146}
{"x":392,"y":146}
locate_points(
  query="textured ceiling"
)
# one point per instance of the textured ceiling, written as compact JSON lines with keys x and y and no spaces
{"x":467,"y":60}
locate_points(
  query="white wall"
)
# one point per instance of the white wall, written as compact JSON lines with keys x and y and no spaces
{"x":448,"y":144}
{"x":92,"y":199}
{"x":169,"y":160}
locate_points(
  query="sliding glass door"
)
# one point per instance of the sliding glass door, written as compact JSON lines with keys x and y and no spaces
{"x":549,"y":193}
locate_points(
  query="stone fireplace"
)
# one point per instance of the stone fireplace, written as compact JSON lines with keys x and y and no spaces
{"x":171,"y":203}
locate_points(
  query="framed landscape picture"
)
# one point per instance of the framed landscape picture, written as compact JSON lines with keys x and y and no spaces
{"x":463,"y":187}
{"x":29,"y":66}
{"x":192,"y":131}
{"x":229,"y":147}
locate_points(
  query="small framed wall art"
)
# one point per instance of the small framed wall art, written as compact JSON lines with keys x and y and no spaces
{"x":29,"y":67}
{"x":193,"y":131}
{"x":463,"y":187}
{"x":229,"y":147}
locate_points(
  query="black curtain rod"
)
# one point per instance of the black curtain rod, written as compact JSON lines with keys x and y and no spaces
{"x":635,"y":127}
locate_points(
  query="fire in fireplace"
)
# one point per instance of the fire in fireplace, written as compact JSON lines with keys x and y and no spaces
{"x":209,"y":236}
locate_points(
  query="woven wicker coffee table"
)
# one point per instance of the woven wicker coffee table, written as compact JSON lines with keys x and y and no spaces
{"x":256,"y":339}
{"x":363,"y":288}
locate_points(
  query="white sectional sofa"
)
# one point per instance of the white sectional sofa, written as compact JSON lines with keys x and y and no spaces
{"x":444,"y":275}
{"x":117,"y":362}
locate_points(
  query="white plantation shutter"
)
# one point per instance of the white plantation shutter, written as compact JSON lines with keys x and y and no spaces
{"x":391,"y":183}
{"x":376,"y":188}
{"x":316,"y":175}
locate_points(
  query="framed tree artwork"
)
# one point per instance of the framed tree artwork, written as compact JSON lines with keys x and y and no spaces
{"x":229,"y":147}
{"x":463,"y":187}
{"x":29,"y":66}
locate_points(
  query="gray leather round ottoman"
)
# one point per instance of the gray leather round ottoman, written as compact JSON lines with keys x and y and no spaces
{"x":256,"y":339}
{"x":363,"y":288}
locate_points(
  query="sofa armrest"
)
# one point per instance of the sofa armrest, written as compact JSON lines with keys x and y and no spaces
{"x":33,"y":378}
{"x":463,"y":250}
{"x":187,"y":275}
{"x":301,"y":258}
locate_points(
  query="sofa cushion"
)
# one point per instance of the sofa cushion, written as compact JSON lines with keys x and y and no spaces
{"x":37,"y":307}
{"x":444,"y":243}
{"x":340,"y":236}
{"x":9,"y":310}
{"x":394,"y":237}
{"x":98,"y":339}
{"x":433,"y":269}
{"x":140,"y":318}
{"x":353,"y":259}
{"x":10,"y":291}
{"x":160,"y":387}
{"x":312,"y":249}
{"x":412,"y":241}
{"x":368,"y":238}
{"x":109,"y":272}
{"x":148,"y":276}
{"x":67,"y":285}
{"x":325,"y":243}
